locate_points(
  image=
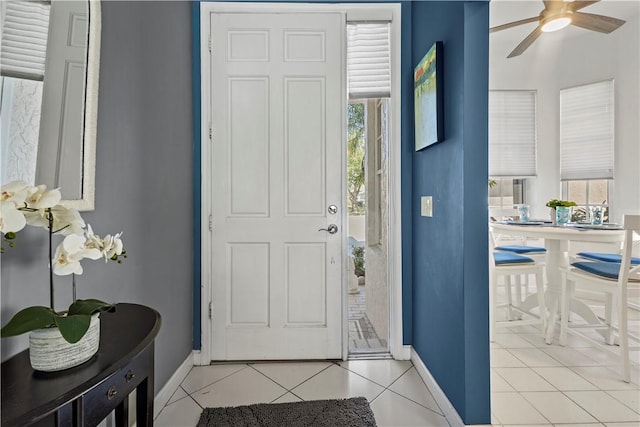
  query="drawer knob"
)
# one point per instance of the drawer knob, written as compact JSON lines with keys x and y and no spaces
{"x":111,"y":393}
{"x":130,"y":375}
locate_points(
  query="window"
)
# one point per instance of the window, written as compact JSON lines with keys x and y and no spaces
{"x":368,"y":60}
{"x":369,"y":84}
{"x":24,"y":39}
{"x":587,"y":145}
{"x":587,"y":193}
{"x":512,"y":133}
{"x":505,"y":193}
{"x":587,"y":132}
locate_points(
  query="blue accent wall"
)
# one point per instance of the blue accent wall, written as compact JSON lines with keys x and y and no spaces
{"x":197,"y":180}
{"x":444,"y":265}
{"x":450,"y":268}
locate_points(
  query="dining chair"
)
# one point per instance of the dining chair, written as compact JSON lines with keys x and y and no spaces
{"x":509,"y":265}
{"x":605,"y":257}
{"x":521,"y":248}
{"x":613,"y":280}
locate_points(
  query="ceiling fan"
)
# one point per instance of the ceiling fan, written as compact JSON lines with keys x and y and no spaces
{"x":558,"y":14}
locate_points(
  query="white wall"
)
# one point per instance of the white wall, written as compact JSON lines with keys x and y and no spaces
{"x":556,"y":61}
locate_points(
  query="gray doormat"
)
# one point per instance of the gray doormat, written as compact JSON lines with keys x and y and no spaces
{"x":354,"y":412}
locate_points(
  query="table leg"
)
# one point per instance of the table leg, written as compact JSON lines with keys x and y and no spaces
{"x":144,"y":394}
{"x":122,"y":413}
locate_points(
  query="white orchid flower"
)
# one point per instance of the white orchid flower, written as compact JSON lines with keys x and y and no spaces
{"x":14,"y":191}
{"x":11,"y":219}
{"x":75,"y":245}
{"x":40,"y":198}
{"x":93,"y":241}
{"x":66,"y":221}
{"x":65,"y":264}
{"x":111,"y":246}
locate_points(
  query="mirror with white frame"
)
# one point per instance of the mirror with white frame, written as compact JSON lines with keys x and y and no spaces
{"x":49,"y":65}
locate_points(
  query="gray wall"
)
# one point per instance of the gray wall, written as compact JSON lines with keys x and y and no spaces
{"x":143,"y":182}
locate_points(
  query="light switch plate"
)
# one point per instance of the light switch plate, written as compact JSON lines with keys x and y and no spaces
{"x":426,"y":206}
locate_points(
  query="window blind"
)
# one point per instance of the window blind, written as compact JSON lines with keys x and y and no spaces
{"x":368,"y":60}
{"x":512,"y":133}
{"x":587,"y":132}
{"x":25,"y":29}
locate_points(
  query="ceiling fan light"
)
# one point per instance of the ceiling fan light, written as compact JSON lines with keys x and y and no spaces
{"x":555,"y":24}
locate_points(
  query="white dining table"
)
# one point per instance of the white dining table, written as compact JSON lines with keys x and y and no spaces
{"x":556,"y":241}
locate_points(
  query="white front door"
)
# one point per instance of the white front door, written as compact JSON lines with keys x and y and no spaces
{"x":278,"y":111}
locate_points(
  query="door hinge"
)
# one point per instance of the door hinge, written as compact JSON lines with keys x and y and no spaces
{"x":210,"y":310}
{"x":210,"y":222}
{"x":209,"y":43}
{"x":210,"y":131}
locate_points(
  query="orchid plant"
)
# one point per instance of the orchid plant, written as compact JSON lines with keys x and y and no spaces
{"x":22,"y":205}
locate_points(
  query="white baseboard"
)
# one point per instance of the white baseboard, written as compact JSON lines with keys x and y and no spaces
{"x":198,"y":359}
{"x":441,"y":399}
{"x":405,"y":352}
{"x":172,"y":385}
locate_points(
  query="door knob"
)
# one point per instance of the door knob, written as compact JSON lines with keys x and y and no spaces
{"x":332,"y":229}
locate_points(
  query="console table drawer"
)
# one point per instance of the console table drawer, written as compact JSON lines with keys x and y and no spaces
{"x":100,"y":401}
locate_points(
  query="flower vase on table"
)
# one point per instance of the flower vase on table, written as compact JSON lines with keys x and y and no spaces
{"x":57,"y":340}
{"x":563,"y":215}
{"x":554,"y":204}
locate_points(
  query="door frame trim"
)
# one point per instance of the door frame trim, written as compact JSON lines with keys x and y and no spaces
{"x":394,"y":160}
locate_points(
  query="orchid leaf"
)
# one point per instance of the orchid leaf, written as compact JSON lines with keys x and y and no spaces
{"x":27,"y":320}
{"x":89,"y":306}
{"x":73,"y":327}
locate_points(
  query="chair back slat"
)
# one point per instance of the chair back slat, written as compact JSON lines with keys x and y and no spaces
{"x":631,"y":226}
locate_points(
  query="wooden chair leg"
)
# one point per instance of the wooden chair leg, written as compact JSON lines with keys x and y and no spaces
{"x":567,"y":292}
{"x":507,"y":286}
{"x":541,"y":303}
{"x":609,"y":309}
{"x":492,"y":307}
{"x":623,"y":333}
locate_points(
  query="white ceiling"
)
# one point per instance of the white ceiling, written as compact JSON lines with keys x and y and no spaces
{"x":505,"y":11}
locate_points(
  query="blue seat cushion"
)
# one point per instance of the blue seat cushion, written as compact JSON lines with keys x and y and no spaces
{"x":521,"y":249}
{"x":609,"y":270}
{"x":503,"y":258}
{"x":606,"y":257}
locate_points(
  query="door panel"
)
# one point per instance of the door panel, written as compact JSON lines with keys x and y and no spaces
{"x":248,"y":284}
{"x":304,"y":145}
{"x":306,"y":284}
{"x":278,"y":102}
{"x":249,"y":103}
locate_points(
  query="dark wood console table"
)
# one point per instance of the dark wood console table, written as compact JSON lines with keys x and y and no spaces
{"x":86,"y":394}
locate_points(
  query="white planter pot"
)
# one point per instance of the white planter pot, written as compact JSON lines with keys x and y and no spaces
{"x":50,"y":352}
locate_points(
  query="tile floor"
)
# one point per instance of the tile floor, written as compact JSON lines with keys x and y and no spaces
{"x":397,"y":394}
{"x":532,"y":384}
{"x":538,"y":384}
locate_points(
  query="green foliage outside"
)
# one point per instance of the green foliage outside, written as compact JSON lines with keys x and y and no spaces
{"x":355,"y":157}
{"x":358,"y":260}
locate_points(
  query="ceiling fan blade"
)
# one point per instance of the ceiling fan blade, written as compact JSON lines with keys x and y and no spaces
{"x":577,"y":5}
{"x":513,"y":24}
{"x":524,"y":44}
{"x":600,"y":23}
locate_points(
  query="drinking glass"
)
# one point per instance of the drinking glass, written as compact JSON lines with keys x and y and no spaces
{"x":523,"y":211}
{"x":563,"y":215}
{"x":595,"y":214}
